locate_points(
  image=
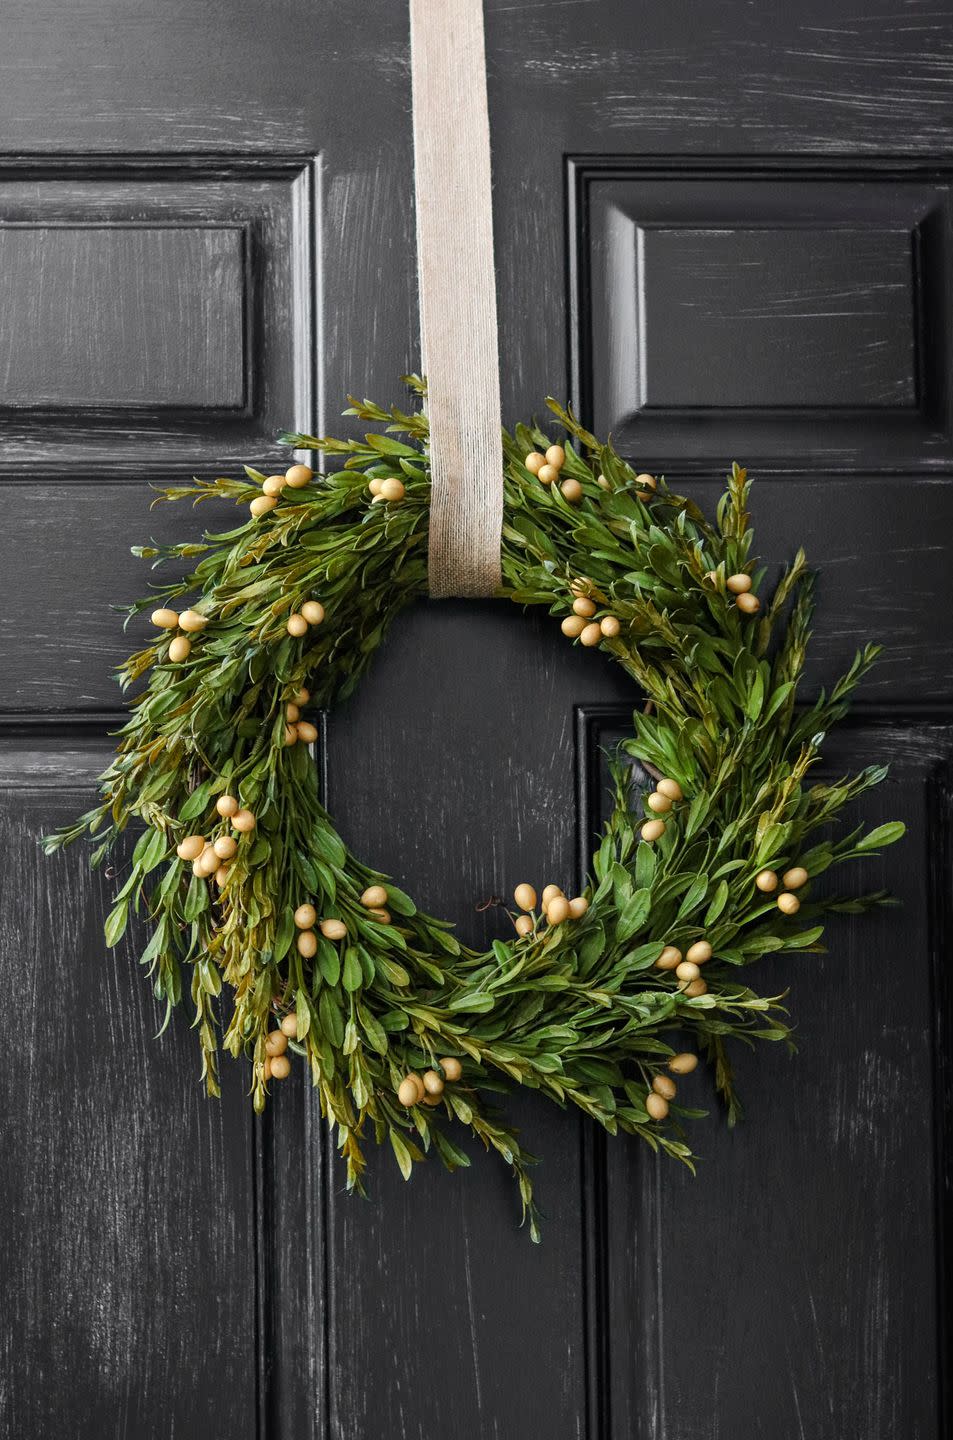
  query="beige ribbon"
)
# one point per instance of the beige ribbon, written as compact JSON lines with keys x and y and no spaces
{"x":458,"y":331}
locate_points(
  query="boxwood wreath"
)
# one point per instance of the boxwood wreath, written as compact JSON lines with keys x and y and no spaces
{"x":601,"y":1000}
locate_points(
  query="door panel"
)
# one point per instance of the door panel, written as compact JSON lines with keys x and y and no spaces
{"x":725,"y":234}
{"x":128,"y":1258}
{"x":811,"y":1247}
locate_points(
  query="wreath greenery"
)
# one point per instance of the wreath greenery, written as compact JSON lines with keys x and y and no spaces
{"x":247,"y":884}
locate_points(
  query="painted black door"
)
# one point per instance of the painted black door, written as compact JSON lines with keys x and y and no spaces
{"x":725,"y":232}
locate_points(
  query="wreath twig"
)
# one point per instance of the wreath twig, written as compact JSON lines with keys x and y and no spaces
{"x":247,"y":884}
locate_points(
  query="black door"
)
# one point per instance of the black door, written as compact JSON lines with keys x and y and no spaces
{"x":724,"y":231}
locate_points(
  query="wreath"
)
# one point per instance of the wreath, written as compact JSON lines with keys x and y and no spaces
{"x":600,"y":1000}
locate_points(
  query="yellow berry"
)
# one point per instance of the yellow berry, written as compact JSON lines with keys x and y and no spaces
{"x":297,"y":476}
{"x":546,"y":474}
{"x":582,"y":605}
{"x":410,"y":1091}
{"x":556,"y":456}
{"x":273,"y":485}
{"x":748,"y":604}
{"x":307,"y":943}
{"x":375,"y":485}
{"x":671,"y":788}
{"x":550,"y":893}
{"x":591,"y":635}
{"x":392,"y":489}
{"x":297,"y":625}
{"x":738,"y":584}
{"x":303,"y":696}
{"x":262,"y":504}
{"x":766,"y":880}
{"x":788,"y":904}
{"x":165,"y":619}
{"x":523,"y":925}
{"x":573,"y":626}
{"x":603,"y":483}
{"x":292,"y":712}
{"x":534,"y":462}
{"x":794,"y":878}
{"x":307,"y":732}
{"x":206,"y":864}
{"x":578,"y":907}
{"x":647,"y":486}
{"x":683,"y":1063}
{"x":191,"y":847}
{"x":305,"y":916}
{"x":670,"y":957}
{"x":225,"y":847}
{"x":333,"y":929}
{"x":663,"y":1085}
{"x":313,"y":611}
{"x":433,"y":1083}
{"x":699,"y":953}
{"x":275,"y":1043}
{"x":525,"y":896}
{"x":280,"y":1067}
{"x":227,"y":805}
{"x":571,"y":490}
{"x":661,"y":804}
{"x":656,"y":1105}
{"x":451,"y":1067}
{"x":557,"y":910}
{"x":289,"y":1026}
{"x":192,"y":621}
{"x":687,"y":970}
{"x":652,"y":830}
{"x":244,"y":822}
{"x":374,"y":895}
{"x":696,"y":987}
{"x":180,"y":649}
{"x":610,"y":626}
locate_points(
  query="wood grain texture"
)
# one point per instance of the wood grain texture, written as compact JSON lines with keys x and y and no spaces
{"x":80,"y":301}
{"x":161,"y":311}
{"x":796,"y":313}
{"x":483,"y":740}
{"x":809,"y":1247}
{"x":127,"y":1252}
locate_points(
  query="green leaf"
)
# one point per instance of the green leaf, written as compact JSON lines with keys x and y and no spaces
{"x":196,"y":899}
{"x":718,"y":903}
{"x":353,"y":973}
{"x":115,"y":925}
{"x":884,"y":835}
{"x":302,"y":1014}
{"x":476,"y":1002}
{"x":329,"y":961}
{"x":633,"y":915}
{"x":197,"y":803}
{"x":284,"y":934}
{"x":693,"y":896}
{"x":373,"y":1030}
{"x":330,"y":1016}
{"x":398,"y":902}
{"x":404,"y":1159}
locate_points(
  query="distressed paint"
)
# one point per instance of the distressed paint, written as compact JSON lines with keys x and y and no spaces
{"x":178,"y":1271}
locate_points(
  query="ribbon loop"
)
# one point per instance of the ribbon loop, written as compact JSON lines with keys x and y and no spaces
{"x":457,"y":285}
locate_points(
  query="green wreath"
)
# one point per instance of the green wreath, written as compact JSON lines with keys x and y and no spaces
{"x":247,"y":884}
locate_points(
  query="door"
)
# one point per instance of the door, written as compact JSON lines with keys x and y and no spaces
{"x":724,"y":232}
